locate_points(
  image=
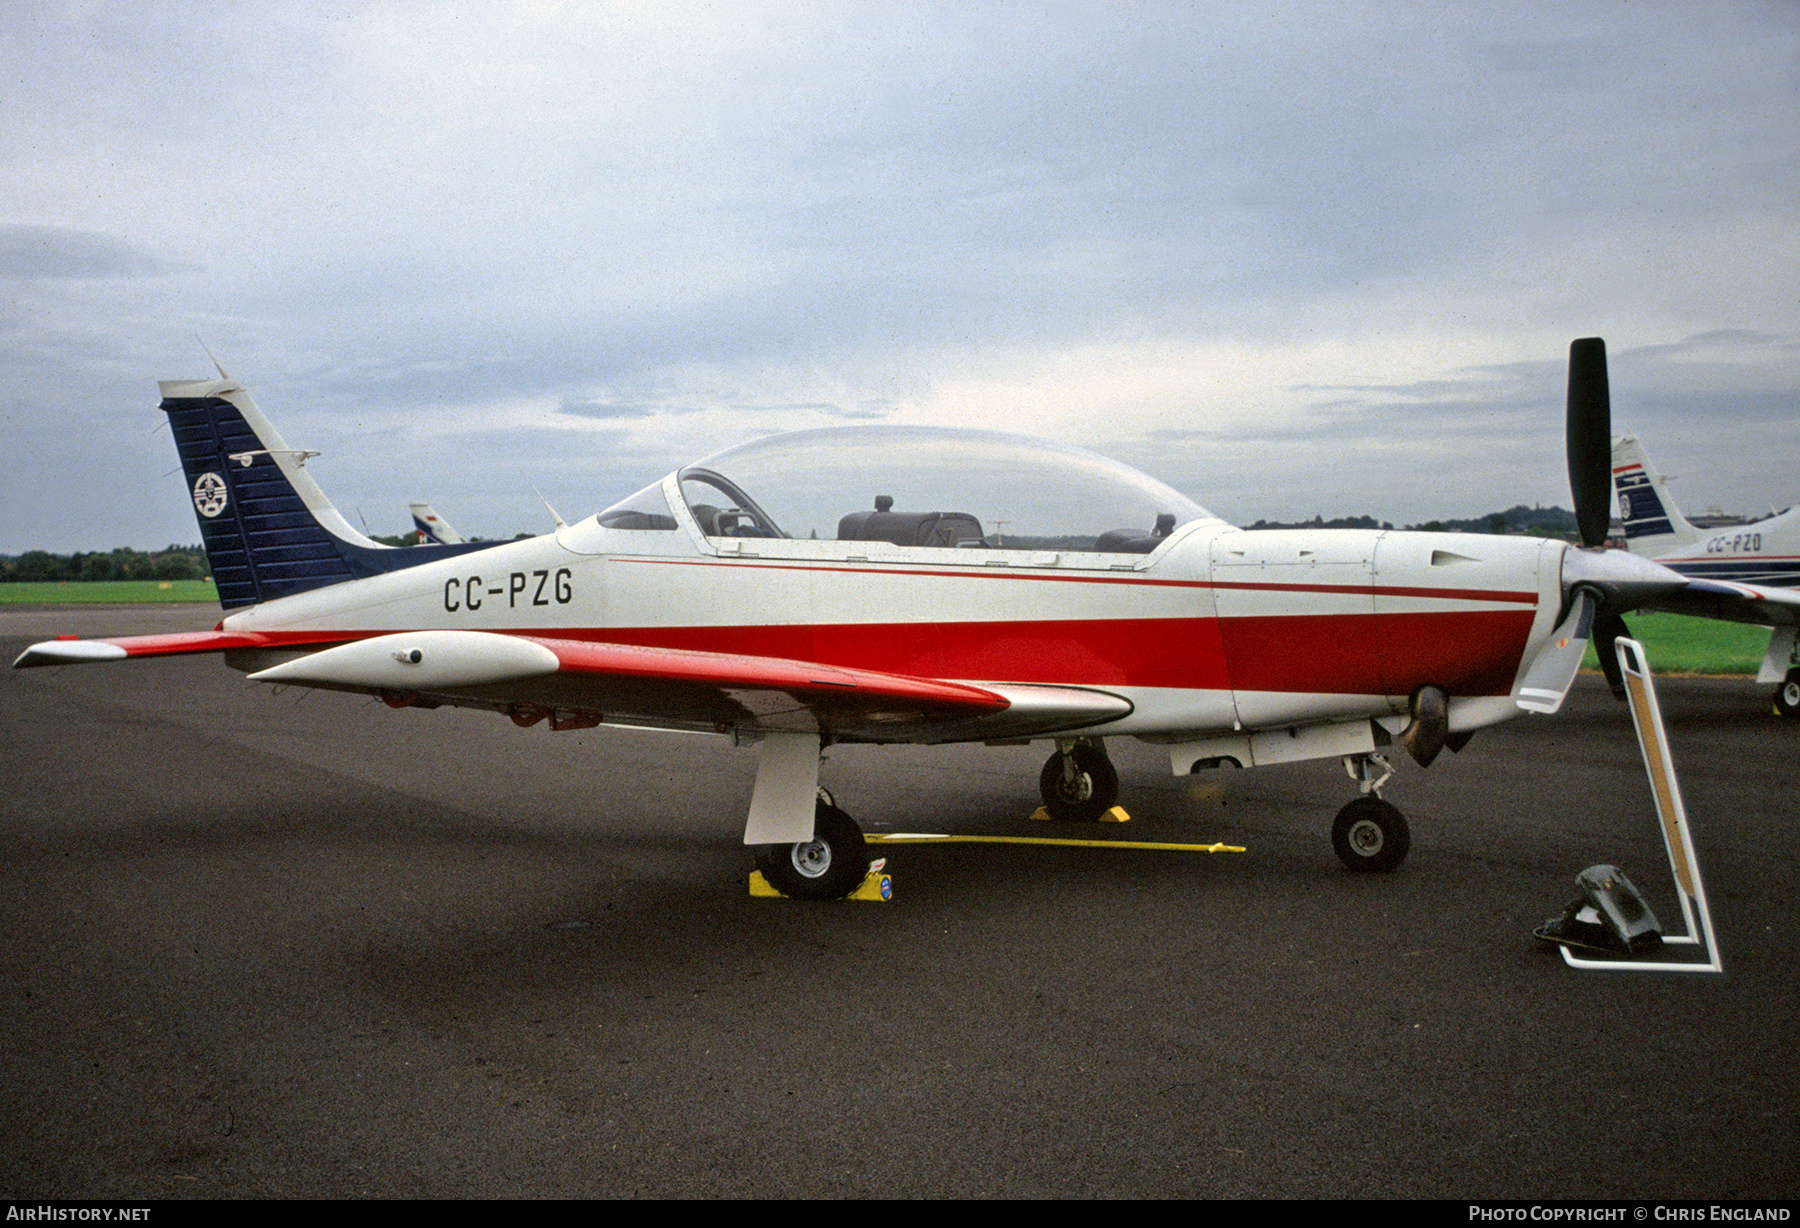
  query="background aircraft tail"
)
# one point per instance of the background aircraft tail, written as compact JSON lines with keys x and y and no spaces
{"x":1653,"y":524}
{"x":432,"y":527}
{"x":269,"y":530}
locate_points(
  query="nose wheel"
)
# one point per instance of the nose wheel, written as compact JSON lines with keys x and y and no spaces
{"x":1371,"y":835}
{"x":1079,"y":783}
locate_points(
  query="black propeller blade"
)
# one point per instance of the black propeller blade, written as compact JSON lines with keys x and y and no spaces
{"x":1589,"y":438}
{"x":1607,"y":628}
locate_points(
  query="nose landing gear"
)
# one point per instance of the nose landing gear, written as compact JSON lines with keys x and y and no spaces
{"x":1079,"y":783}
{"x":1370,"y":835}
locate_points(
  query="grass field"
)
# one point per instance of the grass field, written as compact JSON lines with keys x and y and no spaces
{"x":1675,"y":644}
{"x":115,"y":592}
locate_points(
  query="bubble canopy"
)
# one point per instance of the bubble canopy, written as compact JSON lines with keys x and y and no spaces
{"x":925,"y":486}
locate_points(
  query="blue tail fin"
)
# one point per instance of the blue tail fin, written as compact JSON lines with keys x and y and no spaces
{"x":269,"y":530}
{"x":432,"y":527}
{"x":1653,"y":524}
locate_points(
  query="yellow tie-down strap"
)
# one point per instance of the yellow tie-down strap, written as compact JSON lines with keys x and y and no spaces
{"x":909,"y":837}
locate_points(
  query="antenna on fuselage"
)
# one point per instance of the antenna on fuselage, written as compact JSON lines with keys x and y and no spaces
{"x":209,"y":354}
{"x":553,"y":513}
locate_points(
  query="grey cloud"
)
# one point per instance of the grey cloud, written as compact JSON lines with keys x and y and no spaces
{"x":57,"y":252}
{"x":597,"y":409}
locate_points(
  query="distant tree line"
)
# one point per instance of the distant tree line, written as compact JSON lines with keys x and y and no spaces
{"x":1518,"y":519}
{"x":1319,"y":522}
{"x":169,"y":563}
{"x":1529,"y":521}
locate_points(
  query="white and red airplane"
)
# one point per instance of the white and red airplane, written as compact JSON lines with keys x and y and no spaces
{"x":915,"y":585}
{"x":1760,"y":560}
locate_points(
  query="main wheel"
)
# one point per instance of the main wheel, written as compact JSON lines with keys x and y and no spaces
{"x":1083,"y":792}
{"x":1370,"y":835}
{"x":1787,"y":698}
{"x":827,"y":867}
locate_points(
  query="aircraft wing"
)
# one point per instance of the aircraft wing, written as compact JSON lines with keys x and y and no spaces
{"x":1733,"y":602}
{"x":577,"y":683}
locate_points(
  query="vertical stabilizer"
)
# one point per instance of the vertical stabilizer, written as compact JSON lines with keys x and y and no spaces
{"x":1654,"y":526}
{"x":269,"y":530}
{"x":432,"y":527}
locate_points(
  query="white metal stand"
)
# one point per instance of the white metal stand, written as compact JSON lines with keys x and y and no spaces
{"x":1672,"y":817}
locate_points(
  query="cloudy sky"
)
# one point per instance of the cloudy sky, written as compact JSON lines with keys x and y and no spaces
{"x":1290,"y":258}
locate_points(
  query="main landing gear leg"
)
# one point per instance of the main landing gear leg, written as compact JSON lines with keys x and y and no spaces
{"x":1369,"y":834}
{"x":1078,"y":782}
{"x":805,"y":846}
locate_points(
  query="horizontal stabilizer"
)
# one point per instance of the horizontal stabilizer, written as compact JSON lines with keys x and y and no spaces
{"x":69,"y":652}
{"x":72,"y":651}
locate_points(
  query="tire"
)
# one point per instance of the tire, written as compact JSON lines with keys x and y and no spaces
{"x":1370,"y":836}
{"x":1090,"y":794}
{"x":828,"y":867}
{"x":1787,"y":698}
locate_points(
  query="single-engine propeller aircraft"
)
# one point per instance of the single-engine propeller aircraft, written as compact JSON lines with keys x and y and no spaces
{"x":913,"y":585}
{"x":1761,"y":561}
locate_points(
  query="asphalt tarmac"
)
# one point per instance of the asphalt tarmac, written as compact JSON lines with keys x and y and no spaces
{"x":296,"y":944}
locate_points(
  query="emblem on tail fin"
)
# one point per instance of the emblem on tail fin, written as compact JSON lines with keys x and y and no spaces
{"x":209,"y":494}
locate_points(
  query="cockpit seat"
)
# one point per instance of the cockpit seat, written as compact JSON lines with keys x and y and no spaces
{"x":943,"y":529}
{"x":1130,"y":541}
{"x":1126,"y":541}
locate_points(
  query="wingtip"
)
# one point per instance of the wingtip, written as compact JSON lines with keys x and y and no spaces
{"x":68,"y":652}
